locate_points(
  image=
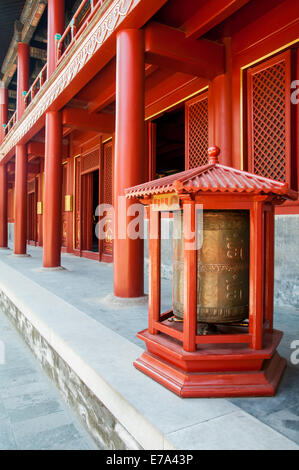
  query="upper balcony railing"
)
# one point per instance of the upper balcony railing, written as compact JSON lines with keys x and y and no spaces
{"x":36,"y":86}
{"x":79,"y":22}
{"x":10,"y":124}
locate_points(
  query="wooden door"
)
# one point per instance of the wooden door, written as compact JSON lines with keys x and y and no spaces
{"x":32,"y":211}
{"x":64,"y":213}
{"x":107,"y":198}
{"x":77,"y":221}
{"x":31,"y":219}
{"x":39,"y":216}
{"x":87,"y":211}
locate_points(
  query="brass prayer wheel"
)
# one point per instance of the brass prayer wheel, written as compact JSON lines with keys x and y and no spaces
{"x":222,"y":267}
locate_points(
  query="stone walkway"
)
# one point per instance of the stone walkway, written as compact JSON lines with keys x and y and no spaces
{"x":85,"y":285}
{"x":33,"y":415}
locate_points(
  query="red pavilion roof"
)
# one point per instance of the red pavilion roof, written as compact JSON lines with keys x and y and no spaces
{"x":212,"y":177}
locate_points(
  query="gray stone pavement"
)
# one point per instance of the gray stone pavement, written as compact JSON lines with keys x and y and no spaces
{"x":87,"y":284}
{"x":33,"y":416}
{"x":282,"y":411}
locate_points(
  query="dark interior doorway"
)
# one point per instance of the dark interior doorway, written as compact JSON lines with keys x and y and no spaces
{"x":170,"y":143}
{"x":90,"y":198}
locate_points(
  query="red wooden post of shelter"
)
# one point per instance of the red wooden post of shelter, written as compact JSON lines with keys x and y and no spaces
{"x":229,"y":358}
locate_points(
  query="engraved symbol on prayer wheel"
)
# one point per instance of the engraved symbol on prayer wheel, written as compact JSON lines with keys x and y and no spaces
{"x":222,"y":267}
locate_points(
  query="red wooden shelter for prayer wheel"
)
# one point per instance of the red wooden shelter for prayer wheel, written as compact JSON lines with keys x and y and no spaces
{"x":218,"y":339}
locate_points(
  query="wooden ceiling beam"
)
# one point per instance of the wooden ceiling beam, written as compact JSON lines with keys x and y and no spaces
{"x":157,"y":104}
{"x":168,"y":48}
{"x":210,"y":15}
{"x":80,"y":119}
{"x":107,"y":89}
{"x":158,"y":89}
{"x":105,"y":97}
{"x":37,"y":149}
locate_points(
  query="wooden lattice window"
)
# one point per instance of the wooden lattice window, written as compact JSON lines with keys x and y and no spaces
{"x":107,"y":245}
{"x":10,"y":206}
{"x":90,"y":161}
{"x":108,"y":172}
{"x":197,"y":135}
{"x":77,"y":192}
{"x":269,"y":118}
{"x":64,"y":214}
{"x":31,"y":186}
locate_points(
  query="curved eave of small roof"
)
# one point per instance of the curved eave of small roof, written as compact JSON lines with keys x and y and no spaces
{"x":213,"y":178}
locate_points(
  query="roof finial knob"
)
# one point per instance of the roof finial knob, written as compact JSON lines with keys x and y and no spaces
{"x":213,"y":153}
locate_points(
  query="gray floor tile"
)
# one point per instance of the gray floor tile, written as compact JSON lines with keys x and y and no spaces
{"x":41,"y":424}
{"x":32,"y":413}
{"x":50,"y":439}
{"x":237,"y":431}
{"x":79,"y":444}
{"x":286,"y":422}
{"x":7,"y":440}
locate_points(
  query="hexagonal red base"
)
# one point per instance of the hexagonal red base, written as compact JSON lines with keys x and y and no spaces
{"x":213,"y":370}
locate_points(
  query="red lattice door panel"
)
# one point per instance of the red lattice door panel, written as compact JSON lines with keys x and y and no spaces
{"x":87,"y":211}
{"x":31,"y":211}
{"x":31,"y":186}
{"x":107,"y":246}
{"x":10,"y":205}
{"x":77,"y":234}
{"x":269,"y":118}
{"x":64,"y":214}
{"x":40,"y":192}
{"x":90,"y":161}
{"x":197,"y":133}
{"x":30,"y":217}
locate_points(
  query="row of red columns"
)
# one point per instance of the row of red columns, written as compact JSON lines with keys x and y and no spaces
{"x":53,"y":151}
{"x":129,"y":157}
{"x":129,"y":167}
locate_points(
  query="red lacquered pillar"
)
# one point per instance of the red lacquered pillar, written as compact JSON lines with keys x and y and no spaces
{"x":220,"y":110}
{"x":55,"y":26}
{"x":154,"y":301}
{"x":21,"y":156}
{"x":20,"y":200}
{"x":129,"y":158}
{"x":3,"y":111}
{"x":190,"y":277}
{"x":3,"y":207}
{"x":256,"y":275}
{"x":269,"y":221}
{"x":53,"y":191}
{"x":23,"y":76}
